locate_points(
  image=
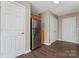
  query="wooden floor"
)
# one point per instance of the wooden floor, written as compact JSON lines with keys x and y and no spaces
{"x":58,"y":49}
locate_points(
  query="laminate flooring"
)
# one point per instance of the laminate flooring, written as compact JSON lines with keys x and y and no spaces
{"x":58,"y":49}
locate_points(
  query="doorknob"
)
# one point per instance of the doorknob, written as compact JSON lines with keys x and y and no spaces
{"x":22,"y":33}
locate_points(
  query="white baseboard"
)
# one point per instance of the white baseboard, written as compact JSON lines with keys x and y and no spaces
{"x":47,"y":44}
{"x":70,"y":41}
{"x":27,"y":51}
{"x":59,"y":39}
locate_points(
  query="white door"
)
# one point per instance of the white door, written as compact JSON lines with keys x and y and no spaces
{"x":14,"y":17}
{"x":69,"y":29}
{"x":53,"y":28}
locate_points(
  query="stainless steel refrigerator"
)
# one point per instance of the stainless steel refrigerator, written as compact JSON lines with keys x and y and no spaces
{"x":36,"y":34}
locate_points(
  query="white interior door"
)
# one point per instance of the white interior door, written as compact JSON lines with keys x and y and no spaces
{"x":53,"y":29}
{"x":14,"y":17}
{"x":69,"y":29}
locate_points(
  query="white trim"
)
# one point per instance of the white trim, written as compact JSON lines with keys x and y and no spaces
{"x":27,"y":51}
{"x":47,"y":44}
{"x":70,"y":41}
{"x":59,"y":39}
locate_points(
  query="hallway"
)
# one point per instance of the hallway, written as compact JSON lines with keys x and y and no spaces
{"x":44,"y":29}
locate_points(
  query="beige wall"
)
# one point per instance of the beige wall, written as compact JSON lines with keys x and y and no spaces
{"x":77,"y":27}
{"x":77,"y":23}
{"x":59,"y":28}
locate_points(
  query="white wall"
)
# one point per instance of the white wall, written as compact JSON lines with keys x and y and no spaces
{"x":0,"y":28}
{"x":47,"y":23}
{"x":45,"y":26}
{"x":77,"y":23}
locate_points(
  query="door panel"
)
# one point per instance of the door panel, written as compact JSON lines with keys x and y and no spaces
{"x":14,"y":29}
{"x":69,"y":29}
{"x":53,"y":29}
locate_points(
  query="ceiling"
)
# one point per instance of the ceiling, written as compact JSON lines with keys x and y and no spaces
{"x":63,"y":8}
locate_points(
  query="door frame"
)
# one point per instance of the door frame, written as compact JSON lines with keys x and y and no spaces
{"x":31,"y":34}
